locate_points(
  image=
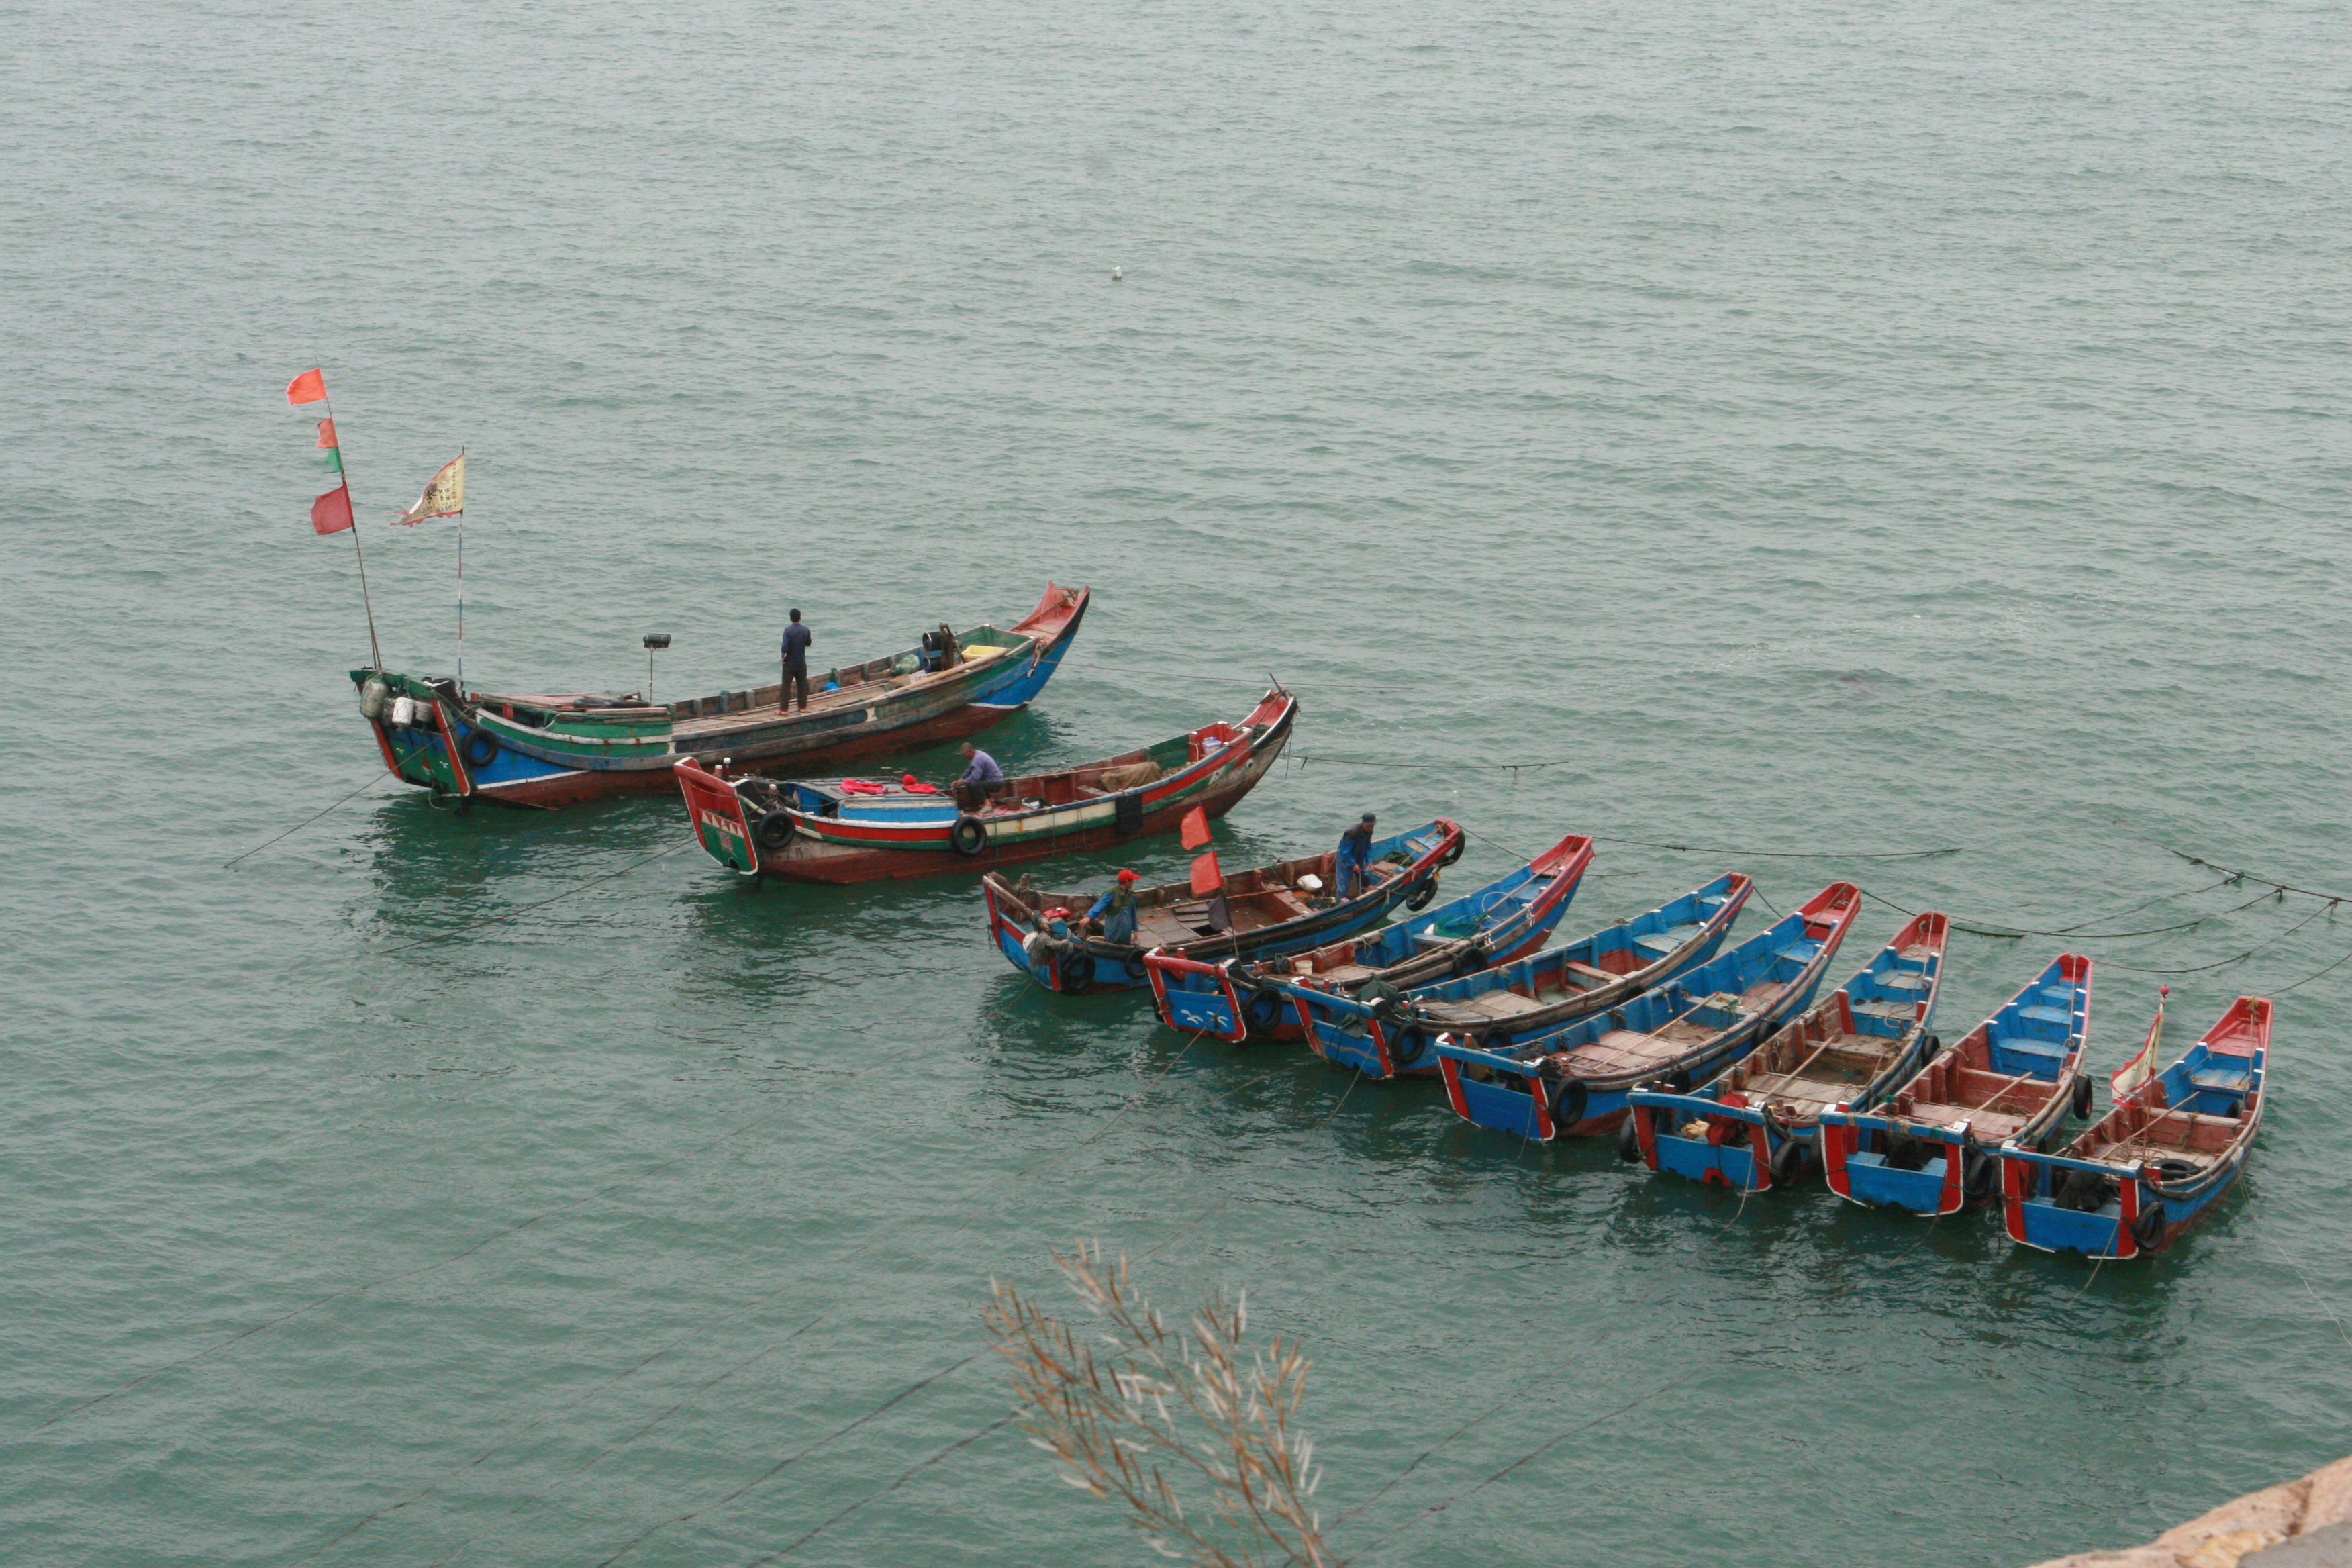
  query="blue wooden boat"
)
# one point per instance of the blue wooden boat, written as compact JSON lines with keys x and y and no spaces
{"x":1270,"y":909}
{"x":2150,"y":1168}
{"x":1387,"y":1036}
{"x":1238,"y":999}
{"x":554,"y":748}
{"x":1757,"y":1126}
{"x":1574,"y":1082}
{"x":1929,"y":1146}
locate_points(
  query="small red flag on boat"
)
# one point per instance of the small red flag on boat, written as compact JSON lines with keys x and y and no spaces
{"x":2141,"y":1068}
{"x":327,"y":432}
{"x":1207,"y":878}
{"x":332,"y":513}
{"x":1196,"y":828}
{"x":310,"y":387}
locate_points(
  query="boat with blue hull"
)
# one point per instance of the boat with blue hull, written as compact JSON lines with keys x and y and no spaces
{"x":1389,"y":1036}
{"x":2132,"y":1183}
{"x":1280,"y":908}
{"x":543,"y":750}
{"x":1928,"y":1146}
{"x":863,"y":831}
{"x":1239,"y":999}
{"x":1757,"y":1126}
{"x":1574,"y":1082}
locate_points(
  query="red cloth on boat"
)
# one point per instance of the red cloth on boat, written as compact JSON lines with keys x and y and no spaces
{"x":914,"y":785}
{"x":862,"y":786}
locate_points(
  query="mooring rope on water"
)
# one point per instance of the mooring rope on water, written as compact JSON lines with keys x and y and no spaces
{"x":579,"y":886}
{"x":417,"y":1272}
{"x":884,"y":1234}
{"x":380,"y":773}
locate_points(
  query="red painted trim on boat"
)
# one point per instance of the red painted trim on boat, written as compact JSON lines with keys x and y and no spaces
{"x":449,"y":743}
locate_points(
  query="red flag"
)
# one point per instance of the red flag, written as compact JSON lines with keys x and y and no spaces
{"x":310,"y":387}
{"x":1206,"y":876}
{"x":332,"y":513}
{"x":1196,"y":828}
{"x":327,"y":432}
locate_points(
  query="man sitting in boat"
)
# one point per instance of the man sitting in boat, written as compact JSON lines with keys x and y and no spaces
{"x":982,"y":780}
{"x":1353,"y":869}
{"x":1115,"y":909}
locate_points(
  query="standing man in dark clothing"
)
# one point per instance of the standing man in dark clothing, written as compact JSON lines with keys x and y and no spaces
{"x":797,"y":639}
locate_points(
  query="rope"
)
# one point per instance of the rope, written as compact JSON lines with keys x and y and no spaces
{"x":2225,"y":963}
{"x":2249,"y":877}
{"x":2012,"y":933}
{"x":904,"y":1476}
{"x":516,"y":914}
{"x":406,"y":1273}
{"x":305,"y":822}
{"x":907,"y":1391}
{"x":753,"y":1359}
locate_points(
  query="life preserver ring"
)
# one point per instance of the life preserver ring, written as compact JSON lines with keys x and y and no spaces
{"x":969,"y":836}
{"x":481,"y":749}
{"x":1076,"y":971}
{"x":1568,"y":1104}
{"x":1420,"y":900}
{"x":774,"y":830}
{"x":2083,"y":1096}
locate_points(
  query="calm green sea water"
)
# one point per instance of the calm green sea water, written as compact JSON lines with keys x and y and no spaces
{"x":1817,"y":427}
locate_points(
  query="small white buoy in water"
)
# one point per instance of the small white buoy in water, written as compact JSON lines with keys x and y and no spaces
{"x":1116,"y":275}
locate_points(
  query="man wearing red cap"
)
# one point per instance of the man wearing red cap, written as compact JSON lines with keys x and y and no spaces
{"x":1115,"y":909}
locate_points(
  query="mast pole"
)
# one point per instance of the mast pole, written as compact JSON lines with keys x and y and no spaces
{"x":461,"y":591}
{"x":374,"y":651}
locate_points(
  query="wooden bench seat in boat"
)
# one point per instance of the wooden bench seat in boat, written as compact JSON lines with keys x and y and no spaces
{"x":1589,"y":973}
{"x":1990,"y":1125}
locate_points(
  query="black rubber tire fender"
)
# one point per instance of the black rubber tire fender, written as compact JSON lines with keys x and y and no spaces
{"x":2081,"y":1101}
{"x":774,"y":830}
{"x":969,"y":836}
{"x":1137,"y":970}
{"x":1420,"y":900}
{"x":1629,"y":1138}
{"x":1569,"y":1102}
{"x":1409,"y":1047}
{"x":2147,"y":1227}
{"x":2174,"y":1170}
{"x":1454,"y":852}
{"x":1076,"y":970}
{"x":1789,"y":1162}
{"x":1979,"y":1171}
{"x":1262,"y":1008}
{"x":481,"y":749}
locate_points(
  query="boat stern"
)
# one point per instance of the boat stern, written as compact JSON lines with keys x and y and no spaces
{"x":714,"y":812}
{"x":1195,"y":997}
{"x":1716,"y":1142}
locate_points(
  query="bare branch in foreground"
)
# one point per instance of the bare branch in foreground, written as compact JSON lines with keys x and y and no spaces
{"x":1143,"y":1416}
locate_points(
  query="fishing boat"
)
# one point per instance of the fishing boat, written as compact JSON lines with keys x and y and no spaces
{"x":548,"y":750}
{"x":1757,"y":1126}
{"x":1237,"y":999}
{"x":1280,"y":908}
{"x":2154,"y":1163}
{"x":1573,"y":1081}
{"x":1927,"y":1145}
{"x":1387,"y":1036}
{"x":860,"y":830}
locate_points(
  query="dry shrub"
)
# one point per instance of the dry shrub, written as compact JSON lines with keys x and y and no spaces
{"x":1142,"y":1417}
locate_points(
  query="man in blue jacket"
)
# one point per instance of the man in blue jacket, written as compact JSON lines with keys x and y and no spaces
{"x":1354,"y":866}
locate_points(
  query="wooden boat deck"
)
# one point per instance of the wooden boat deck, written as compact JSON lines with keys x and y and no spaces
{"x":1840,"y":1064}
{"x":1161,"y":924}
{"x":1621,"y":1051}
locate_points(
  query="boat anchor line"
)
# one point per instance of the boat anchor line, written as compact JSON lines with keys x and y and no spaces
{"x":971,"y":1211}
{"x":2326,"y":909}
